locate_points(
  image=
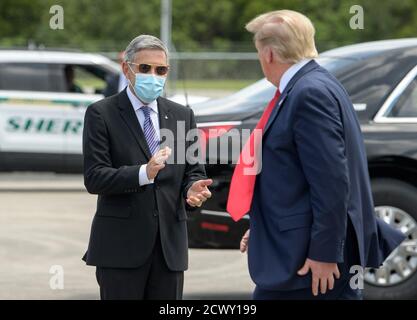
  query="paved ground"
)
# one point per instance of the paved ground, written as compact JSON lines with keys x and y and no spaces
{"x":40,"y":229}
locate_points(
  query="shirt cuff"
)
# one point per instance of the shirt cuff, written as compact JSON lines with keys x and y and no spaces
{"x":143,"y":176}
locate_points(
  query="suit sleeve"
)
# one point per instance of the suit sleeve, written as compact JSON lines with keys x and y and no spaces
{"x":100,"y":177}
{"x":319,"y":138}
{"x":193,"y":171}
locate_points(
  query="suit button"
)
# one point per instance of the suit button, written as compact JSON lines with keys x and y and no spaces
{"x":155,"y":213}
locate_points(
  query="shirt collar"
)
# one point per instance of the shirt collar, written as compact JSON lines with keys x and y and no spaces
{"x":290,"y":73}
{"x":137,"y":104}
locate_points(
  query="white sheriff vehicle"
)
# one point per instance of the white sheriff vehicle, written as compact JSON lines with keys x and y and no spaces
{"x":43,"y":98}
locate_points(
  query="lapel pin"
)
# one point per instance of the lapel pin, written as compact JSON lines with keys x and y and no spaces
{"x":166,"y":117}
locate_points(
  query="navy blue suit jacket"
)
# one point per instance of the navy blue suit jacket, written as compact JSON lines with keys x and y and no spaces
{"x":314,"y":177}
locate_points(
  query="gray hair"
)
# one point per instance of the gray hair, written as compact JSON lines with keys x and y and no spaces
{"x":144,"y":42}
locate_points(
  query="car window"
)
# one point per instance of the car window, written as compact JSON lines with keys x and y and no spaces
{"x":52,"y":77}
{"x":89,"y":79}
{"x":406,"y":105}
{"x":31,"y":77}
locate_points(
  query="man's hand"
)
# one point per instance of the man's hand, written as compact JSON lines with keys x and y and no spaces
{"x":198,"y":192}
{"x":157,"y":162}
{"x":322,"y":273}
{"x":244,"y":242}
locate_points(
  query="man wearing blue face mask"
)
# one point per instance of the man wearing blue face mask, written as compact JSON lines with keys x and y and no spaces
{"x":138,"y":240}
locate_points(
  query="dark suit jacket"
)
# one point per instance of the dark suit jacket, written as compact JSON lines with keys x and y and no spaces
{"x":314,"y":177}
{"x":125,"y":225}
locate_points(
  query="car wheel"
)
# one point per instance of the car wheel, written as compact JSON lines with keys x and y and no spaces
{"x":396,"y":204}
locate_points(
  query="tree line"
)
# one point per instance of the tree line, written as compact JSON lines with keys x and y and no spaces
{"x":197,"y":25}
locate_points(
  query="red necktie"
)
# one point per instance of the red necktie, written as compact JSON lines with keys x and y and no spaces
{"x":242,"y":185}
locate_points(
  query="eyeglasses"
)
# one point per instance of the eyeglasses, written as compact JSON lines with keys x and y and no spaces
{"x":145,"y":68}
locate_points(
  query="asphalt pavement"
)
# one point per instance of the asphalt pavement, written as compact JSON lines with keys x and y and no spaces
{"x":45,"y":222}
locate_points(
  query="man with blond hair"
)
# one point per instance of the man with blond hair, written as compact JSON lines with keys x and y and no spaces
{"x":311,"y":210}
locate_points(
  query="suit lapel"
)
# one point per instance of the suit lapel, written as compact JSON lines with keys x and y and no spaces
{"x":276,"y":110}
{"x":128,"y":114}
{"x":304,"y":70}
{"x":165,"y":119}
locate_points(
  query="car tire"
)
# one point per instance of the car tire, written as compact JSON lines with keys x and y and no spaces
{"x":401,"y":195}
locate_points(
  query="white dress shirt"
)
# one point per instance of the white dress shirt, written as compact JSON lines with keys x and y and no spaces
{"x":290,"y":73}
{"x":137,"y":105}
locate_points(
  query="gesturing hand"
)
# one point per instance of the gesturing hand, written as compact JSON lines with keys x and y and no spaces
{"x":244,"y":242}
{"x":198,"y":192}
{"x":322,"y":273}
{"x":157,"y":162}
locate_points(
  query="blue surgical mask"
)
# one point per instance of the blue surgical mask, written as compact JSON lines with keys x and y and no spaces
{"x":148,"y":87}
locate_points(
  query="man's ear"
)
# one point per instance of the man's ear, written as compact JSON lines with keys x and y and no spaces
{"x":267,"y":54}
{"x":125,"y":69}
{"x":270,"y":55}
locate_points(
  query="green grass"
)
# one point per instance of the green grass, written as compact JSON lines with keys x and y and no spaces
{"x":90,"y":83}
{"x":222,"y":84}
{"x":228,"y":85}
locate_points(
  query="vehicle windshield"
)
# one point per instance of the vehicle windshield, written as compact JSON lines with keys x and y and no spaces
{"x":257,"y":94}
